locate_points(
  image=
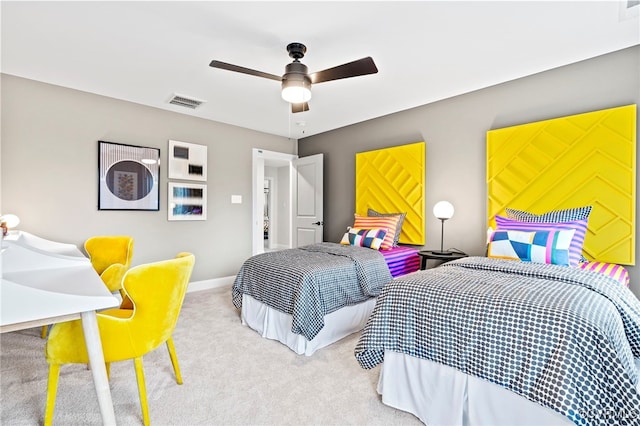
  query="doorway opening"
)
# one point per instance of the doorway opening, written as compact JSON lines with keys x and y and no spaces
{"x":295,"y":206}
{"x":272,"y":200}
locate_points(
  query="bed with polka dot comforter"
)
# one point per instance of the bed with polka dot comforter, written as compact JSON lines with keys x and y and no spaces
{"x":562,"y":337}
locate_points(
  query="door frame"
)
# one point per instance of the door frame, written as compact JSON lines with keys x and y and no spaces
{"x":273,"y":196}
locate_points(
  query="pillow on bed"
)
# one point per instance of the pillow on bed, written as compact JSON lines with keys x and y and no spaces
{"x":617,"y":272}
{"x":390,"y":223}
{"x":551,"y":246}
{"x":564,"y":215}
{"x":371,"y":238}
{"x":579,"y":226}
{"x":396,"y":237}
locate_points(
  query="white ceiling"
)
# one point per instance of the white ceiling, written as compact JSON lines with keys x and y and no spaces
{"x":145,"y":52}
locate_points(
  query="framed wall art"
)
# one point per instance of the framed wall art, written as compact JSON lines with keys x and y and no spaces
{"x":128,"y":177}
{"x":187,"y":161}
{"x":187,"y":201}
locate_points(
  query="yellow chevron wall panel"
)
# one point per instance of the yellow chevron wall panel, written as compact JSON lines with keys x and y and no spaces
{"x":579,"y":160}
{"x":391,"y":180}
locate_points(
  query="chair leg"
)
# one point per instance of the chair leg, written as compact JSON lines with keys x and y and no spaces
{"x":44,"y":331}
{"x":142,"y":390}
{"x":107,"y":366}
{"x":52,"y":389}
{"x":174,"y":360}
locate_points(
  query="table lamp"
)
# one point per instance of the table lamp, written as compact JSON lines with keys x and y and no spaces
{"x":443,"y":210}
{"x":8,"y":221}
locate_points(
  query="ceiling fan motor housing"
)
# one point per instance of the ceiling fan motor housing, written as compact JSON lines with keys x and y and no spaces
{"x":296,"y":71}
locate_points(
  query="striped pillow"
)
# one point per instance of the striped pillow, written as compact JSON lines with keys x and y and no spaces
{"x":390,"y":223}
{"x":575,"y":249}
{"x":612,"y":270}
{"x":372,"y":213}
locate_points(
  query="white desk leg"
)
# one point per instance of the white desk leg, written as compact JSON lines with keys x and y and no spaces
{"x":96,"y":361}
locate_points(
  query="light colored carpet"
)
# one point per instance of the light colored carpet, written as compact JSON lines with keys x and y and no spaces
{"x":232,"y":376}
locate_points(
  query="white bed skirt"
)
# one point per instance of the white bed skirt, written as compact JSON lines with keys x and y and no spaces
{"x":441,"y":395}
{"x":273,"y":324}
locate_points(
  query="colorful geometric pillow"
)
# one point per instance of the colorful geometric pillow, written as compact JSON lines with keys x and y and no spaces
{"x":390,"y":223}
{"x":396,"y":237}
{"x":371,"y":238}
{"x":538,"y":247}
{"x":579,"y":226}
{"x":612,"y":270}
{"x":564,"y":215}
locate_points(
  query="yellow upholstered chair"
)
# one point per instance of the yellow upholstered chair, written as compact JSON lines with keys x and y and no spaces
{"x":110,"y":256}
{"x":156,"y":291}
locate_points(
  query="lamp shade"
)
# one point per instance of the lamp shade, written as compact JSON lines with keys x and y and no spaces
{"x":443,"y":210}
{"x":10,"y":220}
{"x":296,"y":92}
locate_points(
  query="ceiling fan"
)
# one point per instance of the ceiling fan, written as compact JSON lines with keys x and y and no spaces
{"x":296,"y":81}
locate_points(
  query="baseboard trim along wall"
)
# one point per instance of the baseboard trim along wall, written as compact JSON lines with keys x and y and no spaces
{"x":212,"y":283}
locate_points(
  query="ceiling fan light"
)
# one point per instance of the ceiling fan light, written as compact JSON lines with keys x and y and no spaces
{"x":296,"y":91}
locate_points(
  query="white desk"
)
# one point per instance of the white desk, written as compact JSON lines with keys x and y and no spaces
{"x":44,"y":282}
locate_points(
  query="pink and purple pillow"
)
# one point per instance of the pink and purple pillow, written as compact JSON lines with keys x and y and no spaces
{"x":617,"y":272}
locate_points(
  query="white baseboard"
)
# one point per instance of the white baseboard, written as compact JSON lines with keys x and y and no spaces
{"x":209,"y":284}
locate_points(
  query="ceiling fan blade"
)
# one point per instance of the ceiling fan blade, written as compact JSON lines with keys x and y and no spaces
{"x":362,"y":66}
{"x":301,"y":107}
{"x":243,"y":70}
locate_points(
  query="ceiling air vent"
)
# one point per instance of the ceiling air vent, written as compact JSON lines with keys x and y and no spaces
{"x":185,"y":101}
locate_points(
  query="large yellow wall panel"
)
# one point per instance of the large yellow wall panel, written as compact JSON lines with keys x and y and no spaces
{"x":574,"y":161}
{"x":391,"y":180}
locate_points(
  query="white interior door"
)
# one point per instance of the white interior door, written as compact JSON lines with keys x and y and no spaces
{"x":308,"y":193}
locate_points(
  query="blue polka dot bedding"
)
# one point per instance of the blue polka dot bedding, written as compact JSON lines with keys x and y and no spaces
{"x":558,"y":336}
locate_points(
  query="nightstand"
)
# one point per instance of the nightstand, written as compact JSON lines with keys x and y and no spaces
{"x":434,"y":255}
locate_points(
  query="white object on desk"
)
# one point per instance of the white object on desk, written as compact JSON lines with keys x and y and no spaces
{"x":45,"y":282}
{"x":18,"y":258}
{"x":48,"y":247}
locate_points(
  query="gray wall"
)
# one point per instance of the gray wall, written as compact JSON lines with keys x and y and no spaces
{"x":454,"y":131}
{"x":49,"y":173}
